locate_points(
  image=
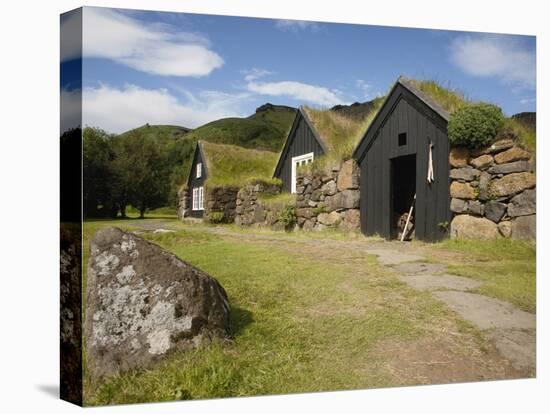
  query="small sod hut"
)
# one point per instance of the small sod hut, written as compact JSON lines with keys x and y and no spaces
{"x":316,"y":133}
{"x":217,"y":173}
{"x":403,"y":156}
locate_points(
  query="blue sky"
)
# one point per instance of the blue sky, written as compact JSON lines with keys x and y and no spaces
{"x":190,"y":69}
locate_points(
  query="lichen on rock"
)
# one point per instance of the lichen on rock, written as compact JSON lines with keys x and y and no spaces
{"x":143,"y":302}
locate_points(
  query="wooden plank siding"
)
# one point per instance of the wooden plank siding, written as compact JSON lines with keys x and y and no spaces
{"x":193,"y":181}
{"x":404,"y":112}
{"x":301,"y":140}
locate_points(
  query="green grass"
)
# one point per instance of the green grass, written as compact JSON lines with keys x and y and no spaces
{"x":233,"y":165}
{"x":160,"y":131}
{"x":526,"y":135}
{"x":265,"y":130}
{"x":506,"y":268}
{"x":281,"y":199}
{"x":304,"y":318}
{"x":341,"y":133}
{"x":448,"y":98}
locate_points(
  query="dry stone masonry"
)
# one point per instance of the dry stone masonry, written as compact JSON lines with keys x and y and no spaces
{"x":221,"y":199}
{"x":251,"y":210}
{"x":493,"y":192}
{"x":144,"y":302}
{"x":329,"y":197}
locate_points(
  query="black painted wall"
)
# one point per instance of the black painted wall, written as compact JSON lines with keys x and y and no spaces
{"x":301,"y":141}
{"x":193,"y":181}
{"x":406,"y":114}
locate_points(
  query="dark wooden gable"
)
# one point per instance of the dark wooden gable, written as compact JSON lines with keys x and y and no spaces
{"x":193,"y":181}
{"x":405,"y":111}
{"x":302,"y":139}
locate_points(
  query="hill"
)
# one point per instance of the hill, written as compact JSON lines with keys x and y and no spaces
{"x":160,"y":131}
{"x":266,"y":129}
{"x":527,"y":119}
{"x":357,"y":110}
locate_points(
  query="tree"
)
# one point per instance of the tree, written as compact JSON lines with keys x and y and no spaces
{"x":97,"y":158}
{"x":142,"y":172}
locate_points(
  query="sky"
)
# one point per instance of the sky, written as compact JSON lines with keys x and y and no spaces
{"x":189,"y":69}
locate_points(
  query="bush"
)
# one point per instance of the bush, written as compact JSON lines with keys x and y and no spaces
{"x":475,"y":125}
{"x":288,"y":217}
{"x":216,"y":217}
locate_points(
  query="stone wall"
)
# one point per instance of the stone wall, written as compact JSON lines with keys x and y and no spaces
{"x":221,"y":199}
{"x":252,"y":211}
{"x":218,"y":199}
{"x":184,"y":203}
{"x":329,"y":198}
{"x":493,"y":192}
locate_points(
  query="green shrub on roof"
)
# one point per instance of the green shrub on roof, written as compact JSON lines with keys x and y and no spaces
{"x":475,"y":125}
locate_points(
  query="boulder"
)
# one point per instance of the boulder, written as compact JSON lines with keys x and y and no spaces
{"x":494,"y":210}
{"x":483,"y":187}
{"x":511,"y":167}
{"x":351,"y":221}
{"x":475,"y":208}
{"x":512,"y":154}
{"x":464,"y":174}
{"x":304,"y":212}
{"x":524,"y":227}
{"x":523,"y":204}
{"x":329,"y":188}
{"x":505,"y":229}
{"x":308,"y":225}
{"x":498,"y":146}
{"x":348,"y":177}
{"x":482,"y":162}
{"x":458,"y":205}
{"x":462,"y":190}
{"x":343,"y":200}
{"x":144,"y":302}
{"x":458,"y":157}
{"x":465,"y":226}
{"x":329,"y":219}
{"x":512,"y":184}
{"x":316,"y":195}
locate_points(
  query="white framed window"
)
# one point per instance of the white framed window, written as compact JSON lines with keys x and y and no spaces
{"x":296,"y":162}
{"x":201,"y":198}
{"x":199,"y":170}
{"x":198,"y":198}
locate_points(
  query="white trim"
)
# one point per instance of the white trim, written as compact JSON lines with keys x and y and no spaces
{"x":198,"y":198}
{"x":198,"y":170}
{"x":298,"y":160}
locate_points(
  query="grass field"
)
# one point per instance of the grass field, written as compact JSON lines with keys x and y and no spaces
{"x":308,"y":314}
{"x":506,"y":268}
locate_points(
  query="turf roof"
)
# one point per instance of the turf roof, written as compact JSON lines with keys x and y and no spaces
{"x":339,"y":133}
{"x":234,"y":165}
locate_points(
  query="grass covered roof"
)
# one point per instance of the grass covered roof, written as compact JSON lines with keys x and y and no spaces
{"x":234,"y":165}
{"x":340,"y":133}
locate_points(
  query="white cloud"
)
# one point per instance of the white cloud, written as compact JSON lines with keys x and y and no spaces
{"x":296,"y":25}
{"x":71,"y":109}
{"x":299,"y":91}
{"x":153,"y":48}
{"x":526,"y":101}
{"x":498,"y":56}
{"x":255,"y":73}
{"x":120,"y":109}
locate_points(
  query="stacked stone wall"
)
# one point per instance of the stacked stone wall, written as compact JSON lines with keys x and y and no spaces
{"x":493,"y":192}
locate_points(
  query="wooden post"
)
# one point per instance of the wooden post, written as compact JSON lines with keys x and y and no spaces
{"x":408,"y":219}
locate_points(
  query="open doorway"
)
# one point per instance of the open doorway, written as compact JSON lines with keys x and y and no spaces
{"x":403,"y":190}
